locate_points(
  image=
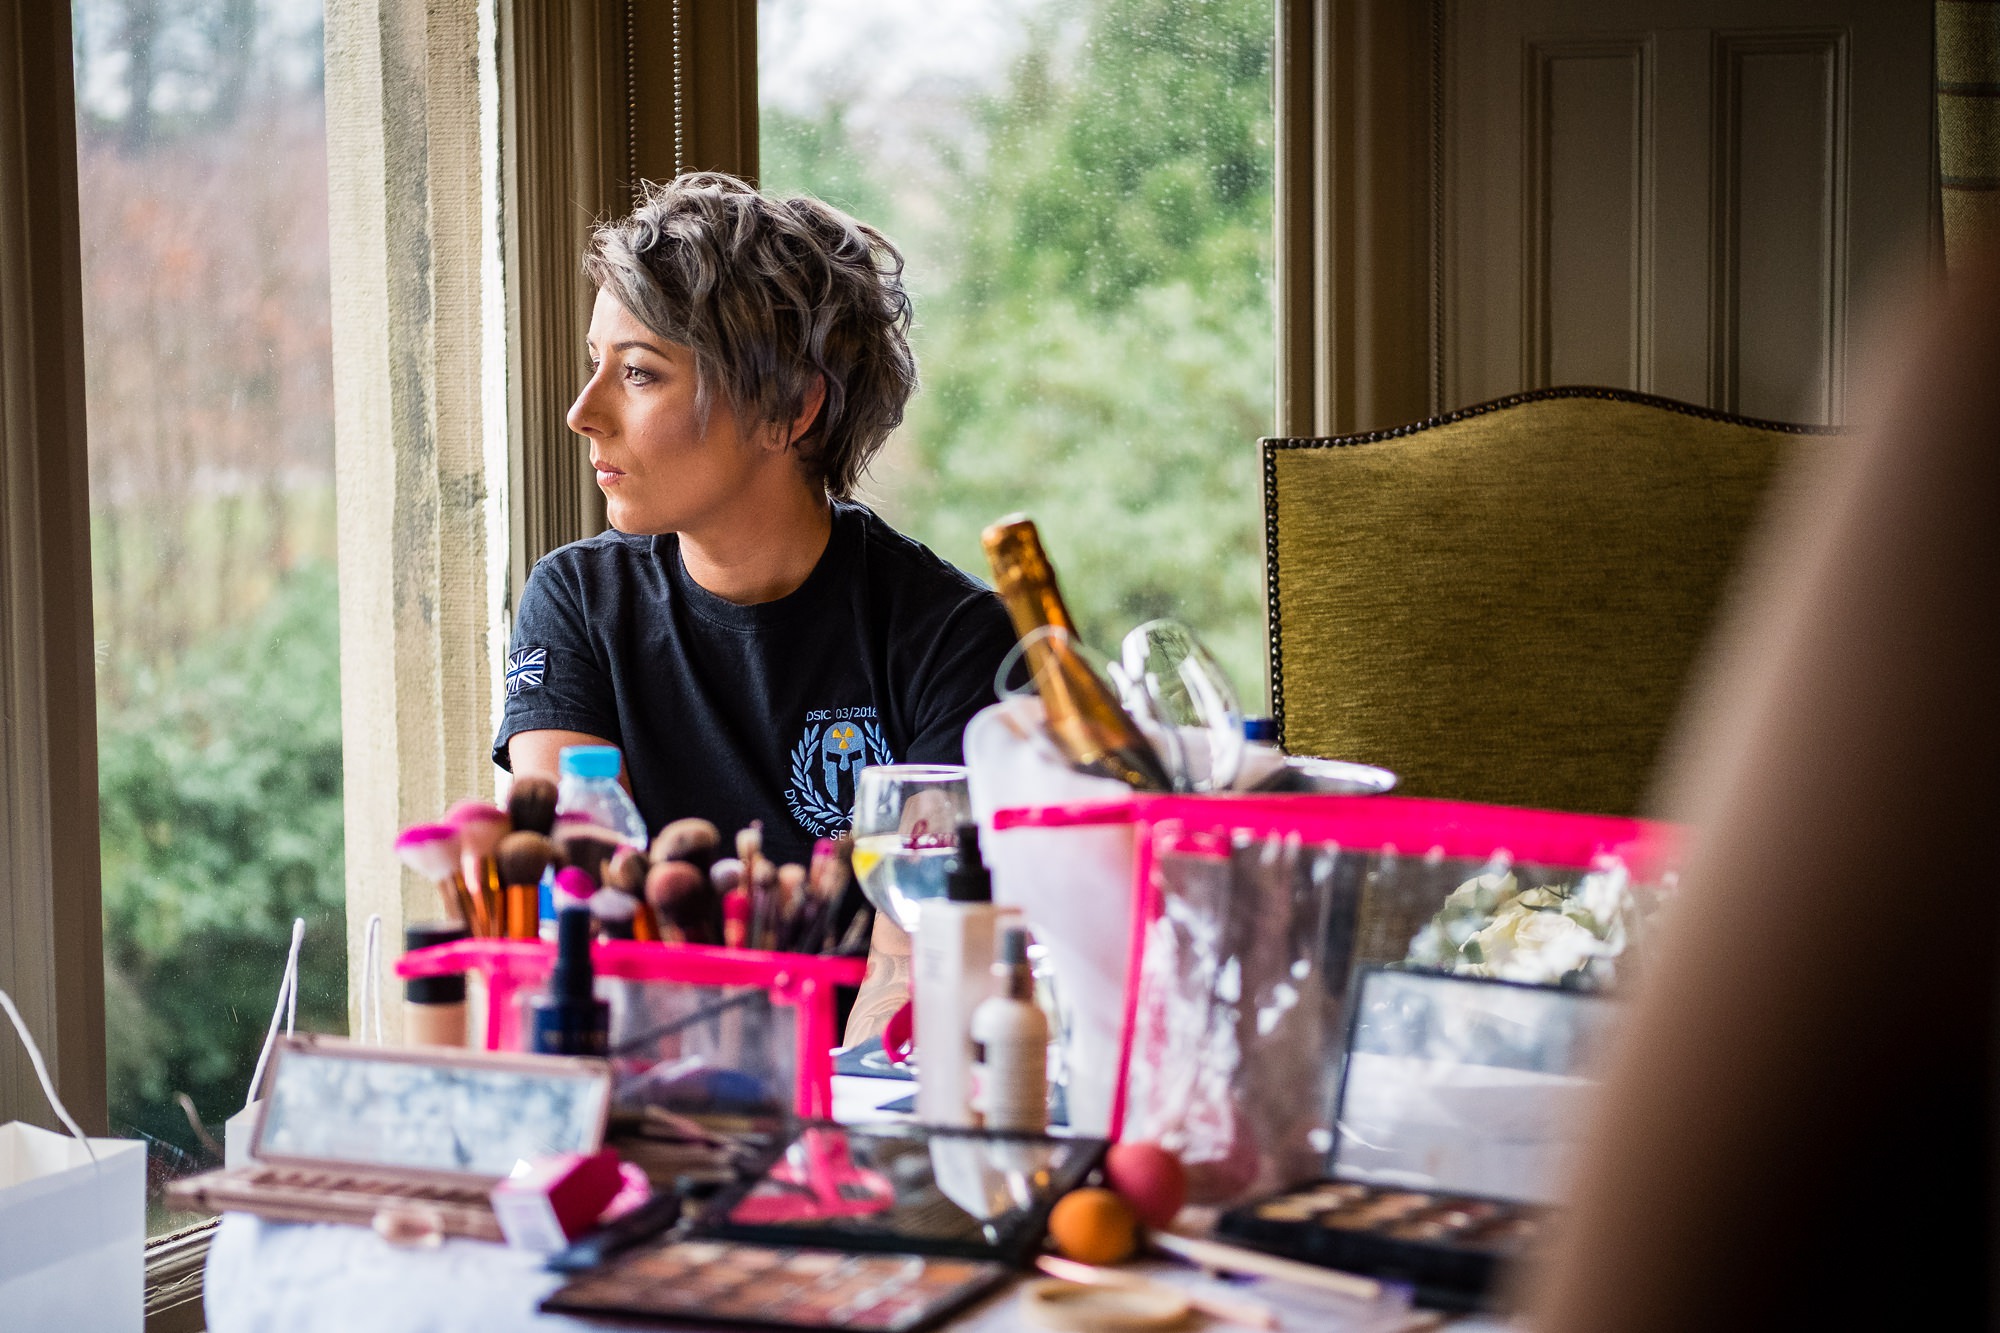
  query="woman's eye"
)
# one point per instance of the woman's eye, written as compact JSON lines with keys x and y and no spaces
{"x":636,"y":375}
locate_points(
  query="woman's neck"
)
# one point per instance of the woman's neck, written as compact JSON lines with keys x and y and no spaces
{"x":762,"y":551}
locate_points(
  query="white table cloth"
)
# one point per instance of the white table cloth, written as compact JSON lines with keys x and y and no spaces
{"x":273,"y":1277}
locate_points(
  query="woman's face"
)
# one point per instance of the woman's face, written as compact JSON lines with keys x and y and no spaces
{"x":659,"y":469}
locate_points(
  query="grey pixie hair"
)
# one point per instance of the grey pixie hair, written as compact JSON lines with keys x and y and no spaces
{"x":769,"y":293}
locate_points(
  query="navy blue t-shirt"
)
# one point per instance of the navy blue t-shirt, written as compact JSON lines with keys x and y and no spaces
{"x":769,"y":711}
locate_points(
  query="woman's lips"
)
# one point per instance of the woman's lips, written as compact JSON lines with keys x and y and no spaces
{"x":606,"y":474}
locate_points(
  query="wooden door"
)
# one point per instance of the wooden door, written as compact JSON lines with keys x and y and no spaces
{"x":1684,"y":197}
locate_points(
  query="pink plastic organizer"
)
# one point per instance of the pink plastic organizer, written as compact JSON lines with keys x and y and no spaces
{"x":1416,"y":827}
{"x":803,"y":982}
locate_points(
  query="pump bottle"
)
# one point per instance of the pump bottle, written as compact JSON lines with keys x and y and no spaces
{"x":951,"y":973}
{"x":1010,"y":1036}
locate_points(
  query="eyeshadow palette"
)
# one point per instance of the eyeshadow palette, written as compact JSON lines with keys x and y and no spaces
{"x":1447,"y":1246}
{"x":761,"y":1286}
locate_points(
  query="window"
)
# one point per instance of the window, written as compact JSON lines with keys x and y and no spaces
{"x":202,"y":183}
{"x":1084,"y":198}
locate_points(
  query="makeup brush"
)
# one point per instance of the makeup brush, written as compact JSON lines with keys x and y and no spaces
{"x":531,"y":804}
{"x":833,"y":883}
{"x":736,"y":917}
{"x":725,"y":874}
{"x":585,"y":845}
{"x":626,"y":872}
{"x":809,"y":924}
{"x":766,"y":901}
{"x":684,"y":900}
{"x":693,"y":840}
{"x":750,"y":848}
{"x":432,"y":851}
{"x":522,"y":857}
{"x":573,"y":888}
{"x":480,"y":826}
{"x":789,"y":905}
{"x":613,"y":911}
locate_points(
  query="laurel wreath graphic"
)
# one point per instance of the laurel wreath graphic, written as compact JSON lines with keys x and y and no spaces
{"x":813,"y":810}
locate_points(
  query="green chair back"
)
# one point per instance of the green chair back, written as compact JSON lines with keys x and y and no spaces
{"x":1505,"y":604}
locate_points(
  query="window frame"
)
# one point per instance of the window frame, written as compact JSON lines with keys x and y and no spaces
{"x":594,"y":95}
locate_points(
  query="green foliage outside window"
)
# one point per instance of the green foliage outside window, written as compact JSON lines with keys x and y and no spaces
{"x":1092,"y":272}
{"x":1095,"y":311}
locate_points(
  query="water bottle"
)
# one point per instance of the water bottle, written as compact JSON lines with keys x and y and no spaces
{"x":588,"y":786}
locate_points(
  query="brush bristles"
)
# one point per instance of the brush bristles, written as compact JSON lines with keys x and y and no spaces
{"x":626,"y":870}
{"x":726,"y":874}
{"x":431,"y":850}
{"x":523,"y":857}
{"x":531,"y":804}
{"x":587,"y":846}
{"x":480,"y":826}
{"x":693,"y":840}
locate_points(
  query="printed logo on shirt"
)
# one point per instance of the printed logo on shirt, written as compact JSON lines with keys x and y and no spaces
{"x":836,"y":745}
{"x":525,"y":668}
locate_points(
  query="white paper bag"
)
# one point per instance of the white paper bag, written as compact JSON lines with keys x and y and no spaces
{"x":72,"y":1222}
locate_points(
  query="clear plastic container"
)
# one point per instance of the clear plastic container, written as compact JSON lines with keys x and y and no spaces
{"x":588,"y":786}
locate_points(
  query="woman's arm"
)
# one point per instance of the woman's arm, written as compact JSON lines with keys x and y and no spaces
{"x":537,"y":753}
{"x":886,"y":985}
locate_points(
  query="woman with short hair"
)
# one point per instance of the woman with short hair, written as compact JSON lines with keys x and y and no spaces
{"x":747,"y":634}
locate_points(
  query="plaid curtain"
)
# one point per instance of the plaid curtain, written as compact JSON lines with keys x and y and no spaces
{"x":1968,"y":113}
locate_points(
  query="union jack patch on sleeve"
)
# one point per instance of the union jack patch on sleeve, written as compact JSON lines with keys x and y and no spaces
{"x":525,"y":669}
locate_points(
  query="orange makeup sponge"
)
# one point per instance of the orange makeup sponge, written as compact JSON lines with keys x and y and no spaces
{"x":1094,"y":1226}
{"x":1149,"y":1178}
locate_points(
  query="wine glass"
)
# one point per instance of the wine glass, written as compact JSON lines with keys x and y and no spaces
{"x":906,"y":818}
{"x":1170,"y":679}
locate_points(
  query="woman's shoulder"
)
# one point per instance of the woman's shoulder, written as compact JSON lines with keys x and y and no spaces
{"x":898,"y":559}
{"x":607,"y":552}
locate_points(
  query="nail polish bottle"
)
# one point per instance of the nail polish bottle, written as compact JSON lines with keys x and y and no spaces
{"x":570,"y":1019}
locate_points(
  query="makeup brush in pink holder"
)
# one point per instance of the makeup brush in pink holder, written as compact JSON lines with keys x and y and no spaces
{"x":432,"y":850}
{"x":480,"y":827}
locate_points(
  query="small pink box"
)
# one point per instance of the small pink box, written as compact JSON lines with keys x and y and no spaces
{"x":556,"y":1199}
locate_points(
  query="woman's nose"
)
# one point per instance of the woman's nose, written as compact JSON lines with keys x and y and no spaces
{"x":584,"y":416}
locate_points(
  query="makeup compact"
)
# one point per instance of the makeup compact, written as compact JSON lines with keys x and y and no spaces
{"x":418,"y":1136}
{"x":891,"y":1226}
{"x":1458,"y":1107}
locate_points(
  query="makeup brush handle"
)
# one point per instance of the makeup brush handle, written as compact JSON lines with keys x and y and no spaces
{"x":645,"y":926}
{"x":524,"y":910}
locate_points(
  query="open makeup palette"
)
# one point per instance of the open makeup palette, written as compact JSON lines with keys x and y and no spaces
{"x":1459,"y":1104}
{"x":884,"y":1227}
{"x":348,"y":1131}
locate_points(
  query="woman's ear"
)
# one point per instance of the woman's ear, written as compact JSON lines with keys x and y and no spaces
{"x":814,"y":400}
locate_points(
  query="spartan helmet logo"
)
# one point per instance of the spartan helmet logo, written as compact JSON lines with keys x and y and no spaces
{"x":841,"y":750}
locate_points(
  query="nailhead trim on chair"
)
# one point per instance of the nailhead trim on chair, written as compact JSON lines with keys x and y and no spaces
{"x":1271,"y":444}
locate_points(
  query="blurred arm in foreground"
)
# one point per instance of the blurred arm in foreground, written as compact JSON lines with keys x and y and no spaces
{"x":1797,"y":1130}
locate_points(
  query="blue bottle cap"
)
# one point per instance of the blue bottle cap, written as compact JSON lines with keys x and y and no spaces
{"x":1259,"y":729}
{"x":589,"y":761}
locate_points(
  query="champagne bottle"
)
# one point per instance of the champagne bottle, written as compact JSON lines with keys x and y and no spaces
{"x":1084,"y":715}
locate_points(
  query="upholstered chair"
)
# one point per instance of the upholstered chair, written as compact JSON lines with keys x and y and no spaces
{"x":1505,"y":604}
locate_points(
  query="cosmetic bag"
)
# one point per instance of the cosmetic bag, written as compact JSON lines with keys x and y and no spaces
{"x":1244,"y":917}
{"x":72,"y":1221}
{"x":691,"y":1023}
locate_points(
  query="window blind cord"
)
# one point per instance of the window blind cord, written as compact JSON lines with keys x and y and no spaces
{"x":42,"y":1075}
